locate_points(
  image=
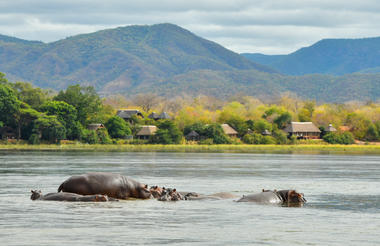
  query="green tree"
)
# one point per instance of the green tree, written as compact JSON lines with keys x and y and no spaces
{"x":3,"y":80}
{"x":9,"y":105}
{"x":117,"y":127}
{"x":85,"y":100}
{"x":372,"y":133}
{"x":283,"y":120}
{"x":339,"y":138}
{"x":216,"y":133}
{"x":66,"y":114}
{"x":34,"y":97}
{"x":167,"y":133}
{"x":50,"y":128}
{"x":239,"y":124}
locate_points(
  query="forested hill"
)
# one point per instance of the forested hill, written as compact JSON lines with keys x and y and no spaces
{"x":328,"y":56}
{"x":168,"y":60}
{"x":117,"y":59}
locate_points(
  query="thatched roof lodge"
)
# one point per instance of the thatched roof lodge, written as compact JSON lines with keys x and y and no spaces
{"x":192,"y":136}
{"x":162,"y":116}
{"x":95,"y":126}
{"x":303,"y":130}
{"x":127,"y":114}
{"x":146,"y":131}
{"x":229,"y":131}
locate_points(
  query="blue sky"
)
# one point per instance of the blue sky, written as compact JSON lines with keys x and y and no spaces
{"x":266,"y":26}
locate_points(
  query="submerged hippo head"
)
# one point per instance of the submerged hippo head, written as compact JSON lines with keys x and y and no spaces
{"x":169,"y":194}
{"x":36,"y":194}
{"x":101,"y":198}
{"x":295,"y":197}
{"x":144,"y":192}
{"x":156,"y":191}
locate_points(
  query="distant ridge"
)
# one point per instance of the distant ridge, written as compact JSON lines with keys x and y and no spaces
{"x":328,"y":56}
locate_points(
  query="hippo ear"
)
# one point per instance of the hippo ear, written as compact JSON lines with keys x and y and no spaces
{"x":163,"y":188}
{"x":263,"y":190}
{"x":174,"y":190}
{"x":146,"y":186}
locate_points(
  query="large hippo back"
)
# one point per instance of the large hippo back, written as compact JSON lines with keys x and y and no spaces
{"x":263,"y":197}
{"x":110,"y":184}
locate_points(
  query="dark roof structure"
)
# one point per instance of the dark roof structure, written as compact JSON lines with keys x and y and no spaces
{"x":95,"y":126}
{"x":330,"y":128}
{"x":301,"y":127}
{"x":154,"y":116}
{"x":128,"y":113}
{"x":164,"y":116}
{"x":193,"y":134}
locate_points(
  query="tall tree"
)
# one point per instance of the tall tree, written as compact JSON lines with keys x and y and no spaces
{"x":9,"y":105}
{"x":85,"y":99}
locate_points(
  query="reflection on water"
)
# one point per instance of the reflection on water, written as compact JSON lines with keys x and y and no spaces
{"x":342,"y":193}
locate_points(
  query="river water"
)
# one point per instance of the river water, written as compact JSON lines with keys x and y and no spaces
{"x":343,"y":194}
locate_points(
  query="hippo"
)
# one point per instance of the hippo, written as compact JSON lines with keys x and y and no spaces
{"x":170,"y":194}
{"x":216,"y":196}
{"x":110,"y":184}
{"x":69,"y":197}
{"x":283,"y":197}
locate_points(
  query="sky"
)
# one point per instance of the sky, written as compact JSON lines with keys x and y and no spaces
{"x":253,"y":26}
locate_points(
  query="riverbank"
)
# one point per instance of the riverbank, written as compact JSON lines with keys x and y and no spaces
{"x":280,"y":149}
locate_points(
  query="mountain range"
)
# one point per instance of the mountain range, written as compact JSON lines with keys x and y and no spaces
{"x":168,"y":60}
{"x":328,"y":56}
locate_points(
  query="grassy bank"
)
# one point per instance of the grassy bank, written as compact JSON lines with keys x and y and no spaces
{"x":286,"y":149}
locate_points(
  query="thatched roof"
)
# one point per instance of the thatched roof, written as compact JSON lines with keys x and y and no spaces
{"x":147,"y":131}
{"x":154,"y":116}
{"x":164,"y":116}
{"x":228,"y":129}
{"x":301,"y":127}
{"x":128,"y":113}
{"x":95,"y":126}
{"x":192,"y":134}
{"x":330,"y":128}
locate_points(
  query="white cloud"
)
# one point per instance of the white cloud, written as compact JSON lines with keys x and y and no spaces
{"x":271,"y":26}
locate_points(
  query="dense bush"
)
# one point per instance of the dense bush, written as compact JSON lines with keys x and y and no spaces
{"x":167,"y":133}
{"x":255,"y":138}
{"x":337,"y":138}
{"x":117,"y":127}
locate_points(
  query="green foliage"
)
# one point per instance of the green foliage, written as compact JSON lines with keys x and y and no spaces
{"x":216,"y":133}
{"x":239,"y":124}
{"x":280,"y":136}
{"x":9,"y":105}
{"x":167,"y":133}
{"x":34,"y":97}
{"x":255,"y":138}
{"x":34,"y":139}
{"x":261,"y":125}
{"x":199,"y":127}
{"x":372,"y":133}
{"x":66,"y":114}
{"x":283,"y":120}
{"x":103,"y":137}
{"x":207,"y":141}
{"x":117,"y":127}
{"x":337,"y":138}
{"x":84,"y":99}
{"x":50,"y":128}
{"x":3,"y":80}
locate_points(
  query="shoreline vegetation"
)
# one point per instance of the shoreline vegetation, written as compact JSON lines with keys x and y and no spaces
{"x":222,"y":148}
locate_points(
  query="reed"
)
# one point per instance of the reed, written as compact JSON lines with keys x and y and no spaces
{"x":281,"y":149}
